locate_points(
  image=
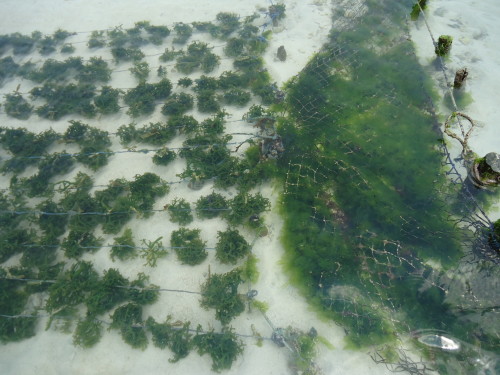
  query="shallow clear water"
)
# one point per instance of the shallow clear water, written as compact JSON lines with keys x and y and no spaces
{"x":380,"y":236}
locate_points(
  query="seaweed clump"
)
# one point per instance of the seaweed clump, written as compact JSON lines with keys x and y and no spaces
{"x":167,"y":335}
{"x":142,"y":99}
{"x":220,"y":292}
{"x":128,"y":320}
{"x":231,"y":246}
{"x":443,"y":46}
{"x":189,"y":246}
{"x":197,"y":56}
{"x":16,"y":106}
{"x":62,"y":100}
{"x":223,"y":347}
{"x":12,"y":302}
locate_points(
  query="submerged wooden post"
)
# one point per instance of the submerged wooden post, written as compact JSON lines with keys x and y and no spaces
{"x":444,"y":45}
{"x":460,"y":77}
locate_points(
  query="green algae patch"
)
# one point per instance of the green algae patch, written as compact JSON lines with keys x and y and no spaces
{"x":362,"y":175}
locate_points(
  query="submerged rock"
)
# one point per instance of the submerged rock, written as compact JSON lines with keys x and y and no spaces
{"x":493,"y":161}
{"x":281,"y":53}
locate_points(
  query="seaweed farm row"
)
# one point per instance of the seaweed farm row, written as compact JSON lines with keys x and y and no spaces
{"x":58,"y":221}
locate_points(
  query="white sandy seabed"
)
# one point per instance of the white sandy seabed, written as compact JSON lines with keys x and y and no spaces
{"x":304,"y":31}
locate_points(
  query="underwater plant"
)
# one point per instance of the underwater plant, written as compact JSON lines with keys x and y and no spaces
{"x":77,"y":243}
{"x":41,"y":253}
{"x":80,"y":201}
{"x":177,"y":104}
{"x":16,"y":106}
{"x":206,"y":156}
{"x":140,"y":70}
{"x":277,"y":12}
{"x":46,"y":45}
{"x":97,"y":39}
{"x":188,"y":245}
{"x":197,"y":56}
{"x":231,"y":246}
{"x":223,"y":347}
{"x":54,"y":70}
{"x":234,"y":47}
{"x":231,"y":80}
{"x":186,"y":124}
{"x":266,"y":92}
{"x":177,"y":339}
{"x":255,"y":113}
{"x":214,"y":125}
{"x":88,"y":332}
{"x":249,"y":269}
{"x":145,"y":189}
{"x":236,"y":97}
{"x":23,"y":44}
{"x":415,"y":10}
{"x":220,"y":292}
{"x":67,"y":48}
{"x":123,"y":247}
{"x":141,"y":99}
{"x":119,"y":211}
{"x":48,"y":167}
{"x":8,"y":68}
{"x":182,"y":33}
{"x":206,"y":83}
{"x":157,"y":33}
{"x":52,"y":225}
{"x":13,"y":241}
{"x":248,"y":30}
{"x":141,"y":292}
{"x":209,"y":62}
{"x":61,"y":35}
{"x":245,"y":205}
{"x":443,"y":46}
{"x":210,"y":206}
{"x":107,"y":100}
{"x":65,"y":99}
{"x":119,"y":38}
{"x":185,"y":82}
{"x":72,"y":286}
{"x":107,"y":293}
{"x":180,"y":211}
{"x":170,"y":54}
{"x":248,"y":63}
{"x":126,"y":54}
{"x":227,"y":23}
{"x":93,"y":143}
{"x":95,"y":70}
{"x":128,"y":319}
{"x":164,"y":156}
{"x":24,"y":144}
{"x":12,"y":302}
{"x":207,"y":102}
{"x":127,"y":133}
{"x":156,"y":133}
{"x":152,"y":251}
